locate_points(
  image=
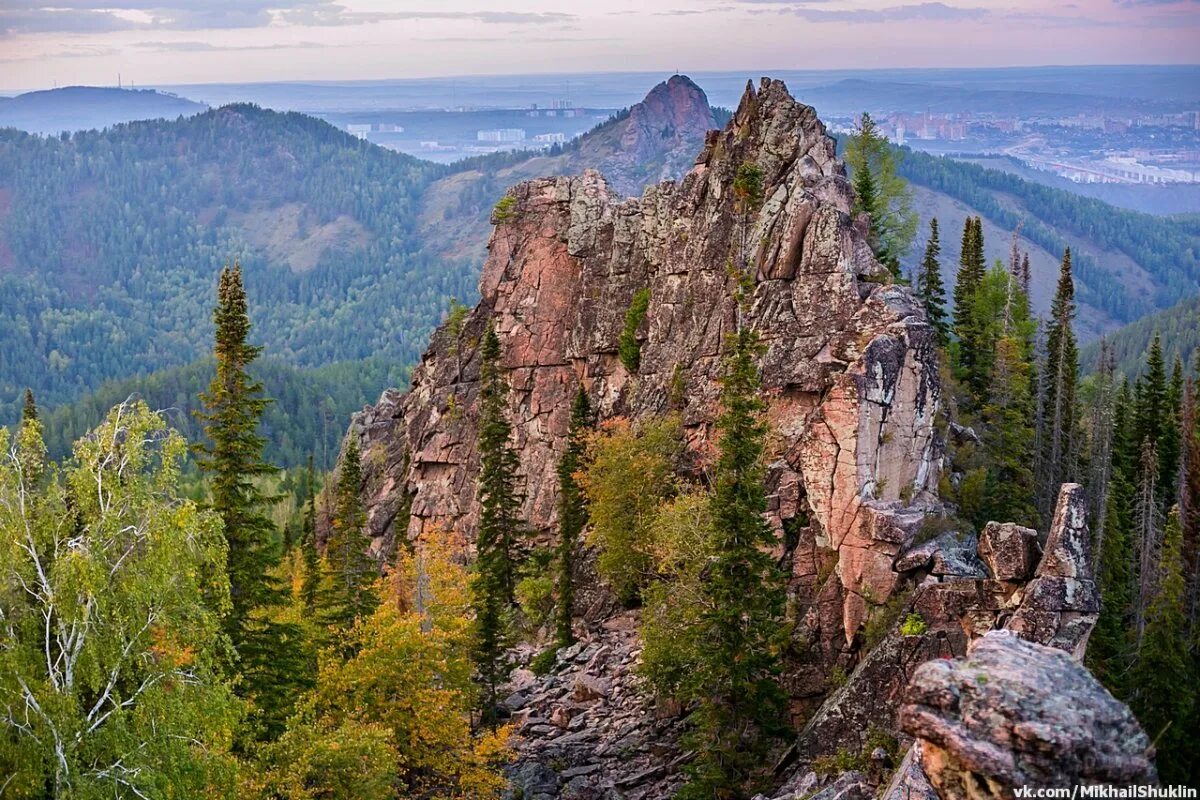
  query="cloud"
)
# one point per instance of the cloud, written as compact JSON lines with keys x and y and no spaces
{"x":207,"y":47}
{"x":76,"y":52}
{"x":1137,"y":3}
{"x":103,"y":16}
{"x":930,"y":12}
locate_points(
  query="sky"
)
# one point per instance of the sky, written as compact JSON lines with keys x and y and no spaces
{"x":62,"y":42}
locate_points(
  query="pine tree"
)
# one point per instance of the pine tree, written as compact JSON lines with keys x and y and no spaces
{"x":881,"y":194}
{"x":739,"y":698}
{"x":233,"y":406}
{"x":351,"y":568}
{"x":930,"y":288}
{"x":499,"y":526}
{"x":1151,"y":396}
{"x":572,"y":514}
{"x":1164,"y":694}
{"x":1109,"y":648}
{"x":1100,"y":451}
{"x":1058,"y":405}
{"x":1171,"y":440}
{"x":967,"y":325}
{"x":310,"y":589}
{"x":30,"y":410}
{"x":1189,"y":504}
{"x":1148,"y":533}
{"x":1008,"y":436}
{"x":233,"y":462}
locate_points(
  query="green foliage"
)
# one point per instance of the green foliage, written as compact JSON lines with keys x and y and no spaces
{"x":883,"y":619}
{"x":572,"y":514}
{"x":1160,"y":693}
{"x":1167,"y":248}
{"x":310,"y":404}
{"x":116,"y":234}
{"x":351,"y":569}
{"x":1176,"y":326}
{"x":914,"y":625}
{"x":930,"y":288}
{"x":394,"y":719}
{"x":748,"y":187}
{"x":500,"y":530}
{"x":1057,"y":459}
{"x":505,"y":210}
{"x":629,"y":349}
{"x":535,"y":598}
{"x":125,"y":585}
{"x":881,"y":193}
{"x":630,"y":471}
{"x":740,"y":703}
{"x":543,"y":662}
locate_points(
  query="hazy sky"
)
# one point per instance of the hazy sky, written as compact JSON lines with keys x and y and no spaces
{"x":43,"y":42}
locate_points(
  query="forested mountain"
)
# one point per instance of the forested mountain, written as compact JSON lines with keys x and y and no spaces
{"x":110,"y":243}
{"x":1127,"y":264}
{"x":1179,"y":327}
{"x":306,"y":416}
{"x":78,"y":108}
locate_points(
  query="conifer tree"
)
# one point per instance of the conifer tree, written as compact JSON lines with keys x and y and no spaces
{"x":881,"y":194}
{"x":29,"y":411}
{"x":499,"y":526}
{"x":1189,"y":508}
{"x":1108,"y":653}
{"x":967,"y":325}
{"x":930,"y":288}
{"x":1148,"y":532}
{"x":233,"y":462}
{"x":1151,"y":396}
{"x":1171,"y":440}
{"x":310,"y":588}
{"x":351,"y":568}
{"x":233,"y":406}
{"x":1059,"y":404}
{"x":1163,"y":693}
{"x":572,"y":514}
{"x":739,"y":698}
{"x":1100,"y":450}
{"x":1008,"y":435}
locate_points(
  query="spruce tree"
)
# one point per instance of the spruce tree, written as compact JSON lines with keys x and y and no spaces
{"x":233,"y":407}
{"x":499,"y":526}
{"x":311,"y":587}
{"x":572,"y":514}
{"x":1152,"y":396}
{"x":930,"y":288}
{"x":30,"y":410}
{"x":1163,"y":693}
{"x":1147,"y":519}
{"x":1109,"y":648}
{"x":1058,"y":405}
{"x":881,"y":194}
{"x":1170,"y":441}
{"x":352,"y":571}
{"x":967,"y":325}
{"x":740,"y":701}
{"x":234,"y":464}
{"x":1189,"y":507}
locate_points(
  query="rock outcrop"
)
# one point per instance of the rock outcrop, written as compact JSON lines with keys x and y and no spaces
{"x":1017,"y":714}
{"x":849,"y":367}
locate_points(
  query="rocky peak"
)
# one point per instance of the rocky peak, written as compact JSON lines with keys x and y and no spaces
{"x":656,"y":140}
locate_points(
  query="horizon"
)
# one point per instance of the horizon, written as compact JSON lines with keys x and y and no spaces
{"x":187,"y":42}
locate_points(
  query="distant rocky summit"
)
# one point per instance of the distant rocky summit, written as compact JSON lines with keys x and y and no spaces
{"x":880,"y":583}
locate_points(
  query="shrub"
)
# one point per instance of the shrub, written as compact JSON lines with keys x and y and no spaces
{"x":913,"y":625}
{"x":543,"y":662}
{"x":630,"y":472}
{"x":535,"y":596}
{"x":505,"y":210}
{"x":628,"y":347}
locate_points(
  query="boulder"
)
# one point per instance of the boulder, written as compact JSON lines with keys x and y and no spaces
{"x":1008,"y":551}
{"x":1017,"y":714}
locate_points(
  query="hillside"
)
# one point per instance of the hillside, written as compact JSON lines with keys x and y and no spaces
{"x":78,"y":108}
{"x":110,"y":243}
{"x":656,"y":139}
{"x":1179,"y":327}
{"x":1127,"y":264}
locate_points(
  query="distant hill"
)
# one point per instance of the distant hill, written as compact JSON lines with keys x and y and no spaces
{"x":654,"y":140}
{"x":110,"y":244}
{"x":79,"y":108}
{"x":1127,"y":264}
{"x":855,"y":95}
{"x":1178,"y":325}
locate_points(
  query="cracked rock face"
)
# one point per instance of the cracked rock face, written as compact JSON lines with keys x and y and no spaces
{"x":849,"y":367}
{"x":1014,"y":713}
